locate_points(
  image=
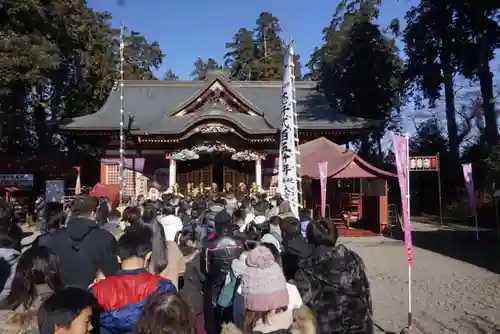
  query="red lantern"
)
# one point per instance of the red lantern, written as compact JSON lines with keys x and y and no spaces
{"x":434,"y":163}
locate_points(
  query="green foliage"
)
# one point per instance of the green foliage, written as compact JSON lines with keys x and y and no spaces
{"x":201,"y":68}
{"x":429,"y":139}
{"x":258,"y":54}
{"x":141,"y":57}
{"x":170,"y":76}
{"x":59,"y":59}
{"x":445,"y":38}
{"x":479,"y":28}
{"x":358,"y":66}
{"x":433,"y":46}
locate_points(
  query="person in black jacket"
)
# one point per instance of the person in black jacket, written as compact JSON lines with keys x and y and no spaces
{"x":333,"y":283}
{"x":216,"y":258}
{"x":192,"y":282}
{"x":82,"y":247}
{"x":295,"y":246}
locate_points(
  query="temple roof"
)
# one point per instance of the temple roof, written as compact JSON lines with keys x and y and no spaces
{"x":166,"y":107}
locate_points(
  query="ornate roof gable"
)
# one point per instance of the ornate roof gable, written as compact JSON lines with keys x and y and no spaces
{"x":217,"y":95}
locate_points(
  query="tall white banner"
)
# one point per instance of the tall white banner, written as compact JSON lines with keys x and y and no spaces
{"x":280,"y":173}
{"x":288,"y":145}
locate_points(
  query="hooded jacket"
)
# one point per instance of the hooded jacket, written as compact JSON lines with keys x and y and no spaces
{"x":83,"y":248}
{"x":295,"y":249}
{"x":333,"y":283}
{"x":8,"y":263}
{"x":122,"y":298}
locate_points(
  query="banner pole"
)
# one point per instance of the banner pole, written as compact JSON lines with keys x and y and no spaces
{"x":496,"y":217}
{"x":477,"y":227}
{"x":408,"y":226}
{"x":439,"y":190}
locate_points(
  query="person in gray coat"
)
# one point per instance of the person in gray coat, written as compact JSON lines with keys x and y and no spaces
{"x":10,"y":241}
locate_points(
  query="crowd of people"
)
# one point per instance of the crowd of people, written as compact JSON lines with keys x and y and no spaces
{"x":210,"y":264}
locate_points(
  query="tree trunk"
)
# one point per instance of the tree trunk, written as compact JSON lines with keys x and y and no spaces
{"x":14,"y":108}
{"x":379,"y":148}
{"x":41,"y":129}
{"x":486,"y":83}
{"x":451,"y":120}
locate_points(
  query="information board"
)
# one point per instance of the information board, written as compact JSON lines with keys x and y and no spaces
{"x":54,"y":191}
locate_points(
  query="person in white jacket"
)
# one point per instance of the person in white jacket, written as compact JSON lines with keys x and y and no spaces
{"x":171,"y":223}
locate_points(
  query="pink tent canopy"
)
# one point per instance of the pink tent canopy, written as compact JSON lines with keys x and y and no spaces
{"x":342,"y":163}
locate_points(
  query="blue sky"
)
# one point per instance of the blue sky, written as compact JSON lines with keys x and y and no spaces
{"x":187,"y":29}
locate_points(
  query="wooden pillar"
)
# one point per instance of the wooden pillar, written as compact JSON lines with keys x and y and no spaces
{"x":103,"y":179}
{"x":384,"y":209}
{"x":172,"y":172}
{"x":258,"y":172}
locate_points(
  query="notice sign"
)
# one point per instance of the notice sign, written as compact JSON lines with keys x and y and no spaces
{"x":427,"y":163}
{"x":54,"y":190}
{"x":22,"y":181}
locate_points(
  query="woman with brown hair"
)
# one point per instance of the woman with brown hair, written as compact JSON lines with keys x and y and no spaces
{"x":166,"y":313}
{"x":36,"y":278}
{"x":265,"y":294}
{"x":268,"y":302}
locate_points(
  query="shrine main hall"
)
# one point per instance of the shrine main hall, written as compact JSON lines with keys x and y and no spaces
{"x":203,"y":132}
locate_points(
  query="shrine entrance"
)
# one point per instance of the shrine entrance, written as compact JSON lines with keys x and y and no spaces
{"x":216,"y":168}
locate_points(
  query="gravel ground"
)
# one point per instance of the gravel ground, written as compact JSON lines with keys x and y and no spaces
{"x":449,"y":295}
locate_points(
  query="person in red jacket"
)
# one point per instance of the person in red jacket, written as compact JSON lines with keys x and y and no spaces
{"x":122,"y":295}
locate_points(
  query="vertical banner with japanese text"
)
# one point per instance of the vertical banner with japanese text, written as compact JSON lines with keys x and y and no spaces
{"x":288,"y":149}
{"x":280,"y":172}
{"x":401,"y":152}
{"x":323,"y":177}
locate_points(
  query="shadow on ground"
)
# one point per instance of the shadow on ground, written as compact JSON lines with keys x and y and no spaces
{"x":382,"y":330}
{"x":460,"y":245}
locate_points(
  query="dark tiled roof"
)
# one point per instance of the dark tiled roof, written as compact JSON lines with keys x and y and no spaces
{"x":152,"y":104}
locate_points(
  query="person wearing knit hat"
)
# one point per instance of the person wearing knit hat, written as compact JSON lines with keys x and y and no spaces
{"x":263,"y":284}
{"x":239,"y":267}
{"x":265,"y":294}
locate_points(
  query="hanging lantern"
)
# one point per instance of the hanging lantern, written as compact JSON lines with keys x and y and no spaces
{"x":434,"y":164}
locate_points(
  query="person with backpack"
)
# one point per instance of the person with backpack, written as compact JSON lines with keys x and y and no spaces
{"x":216,"y":259}
{"x":83,"y":247}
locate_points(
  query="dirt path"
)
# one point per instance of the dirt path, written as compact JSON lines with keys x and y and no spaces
{"x":449,"y":295}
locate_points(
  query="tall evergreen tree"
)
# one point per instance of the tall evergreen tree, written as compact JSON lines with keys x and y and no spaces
{"x":201,"y":68}
{"x":141,"y":57}
{"x":258,"y":54}
{"x":432,"y":47}
{"x":241,"y":55}
{"x":479,"y":22}
{"x":170,"y":76}
{"x":358,"y":67}
{"x":61,"y":62}
{"x":269,"y":47}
